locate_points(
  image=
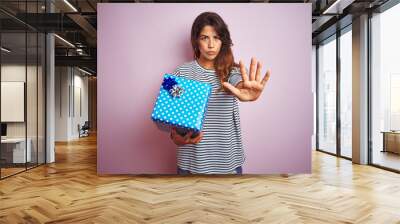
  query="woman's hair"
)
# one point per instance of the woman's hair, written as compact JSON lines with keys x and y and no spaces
{"x":224,"y":62}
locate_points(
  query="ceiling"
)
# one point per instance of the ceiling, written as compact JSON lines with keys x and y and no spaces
{"x":76,"y":22}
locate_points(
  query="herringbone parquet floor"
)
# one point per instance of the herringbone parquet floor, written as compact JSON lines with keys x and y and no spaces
{"x":70,"y":191}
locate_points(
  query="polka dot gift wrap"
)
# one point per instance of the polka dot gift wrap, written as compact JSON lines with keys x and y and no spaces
{"x":181,"y":103}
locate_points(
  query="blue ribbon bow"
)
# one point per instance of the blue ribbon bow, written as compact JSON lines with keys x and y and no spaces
{"x":168,"y":83}
{"x":172,"y":87}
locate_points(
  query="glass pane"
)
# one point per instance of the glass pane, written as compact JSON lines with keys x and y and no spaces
{"x":327,"y":96}
{"x":386,"y":89}
{"x":346,"y":93}
{"x":32,"y":95}
{"x":22,"y":88}
{"x":13,"y":89}
{"x":41,"y":98}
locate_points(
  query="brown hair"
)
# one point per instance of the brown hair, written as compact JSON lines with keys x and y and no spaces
{"x":224,"y":62}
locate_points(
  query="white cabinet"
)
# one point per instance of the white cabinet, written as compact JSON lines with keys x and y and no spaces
{"x":17,"y":145}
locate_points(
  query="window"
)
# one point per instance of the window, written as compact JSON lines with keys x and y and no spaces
{"x":385,"y":88}
{"x":346,"y":75}
{"x":327,"y":96}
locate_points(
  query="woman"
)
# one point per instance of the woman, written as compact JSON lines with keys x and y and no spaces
{"x":218,"y":148}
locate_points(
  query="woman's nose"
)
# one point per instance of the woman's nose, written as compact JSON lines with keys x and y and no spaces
{"x":211,"y":43}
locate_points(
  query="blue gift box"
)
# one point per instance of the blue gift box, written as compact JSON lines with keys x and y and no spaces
{"x":181,"y":103}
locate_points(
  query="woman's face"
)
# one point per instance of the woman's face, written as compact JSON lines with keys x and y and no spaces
{"x":209,"y":43}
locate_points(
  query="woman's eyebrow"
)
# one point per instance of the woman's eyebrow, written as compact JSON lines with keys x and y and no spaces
{"x":204,"y":35}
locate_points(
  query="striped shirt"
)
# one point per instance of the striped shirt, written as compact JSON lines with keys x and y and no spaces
{"x":221,"y":150}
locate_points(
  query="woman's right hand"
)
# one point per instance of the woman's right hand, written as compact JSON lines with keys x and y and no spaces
{"x":183,"y":140}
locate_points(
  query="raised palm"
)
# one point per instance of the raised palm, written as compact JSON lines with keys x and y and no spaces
{"x":251,"y":86}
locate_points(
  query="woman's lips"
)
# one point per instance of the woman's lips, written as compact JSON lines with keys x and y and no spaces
{"x":211,"y":52}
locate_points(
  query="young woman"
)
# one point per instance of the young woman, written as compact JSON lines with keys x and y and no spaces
{"x":218,"y":148}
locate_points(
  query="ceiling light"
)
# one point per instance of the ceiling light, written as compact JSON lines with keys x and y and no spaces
{"x":5,"y":50}
{"x":86,"y":72}
{"x":70,"y":5}
{"x":64,"y":40}
{"x":331,"y":7}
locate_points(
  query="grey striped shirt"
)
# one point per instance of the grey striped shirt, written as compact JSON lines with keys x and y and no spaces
{"x":221,"y":150}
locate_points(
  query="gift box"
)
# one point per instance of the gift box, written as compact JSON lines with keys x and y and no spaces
{"x":181,"y":103}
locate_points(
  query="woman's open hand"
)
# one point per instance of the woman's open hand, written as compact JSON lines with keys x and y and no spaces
{"x":183,"y":140}
{"x":251,"y":86}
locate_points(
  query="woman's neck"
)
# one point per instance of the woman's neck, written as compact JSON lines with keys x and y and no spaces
{"x":207,"y":64}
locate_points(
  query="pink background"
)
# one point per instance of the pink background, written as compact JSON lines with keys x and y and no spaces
{"x":138,"y":43}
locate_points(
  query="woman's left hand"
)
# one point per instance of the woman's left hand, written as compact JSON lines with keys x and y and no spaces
{"x":251,"y":87}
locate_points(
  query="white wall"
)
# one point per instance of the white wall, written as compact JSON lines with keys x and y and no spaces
{"x":11,"y":73}
{"x":15,"y":72}
{"x":62,"y":81}
{"x":71,"y":93}
{"x":81,"y":84}
{"x":33,"y":127}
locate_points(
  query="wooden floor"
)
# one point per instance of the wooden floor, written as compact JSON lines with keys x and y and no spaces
{"x":387,"y":159}
{"x":70,"y":191}
{"x":5,"y":172}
